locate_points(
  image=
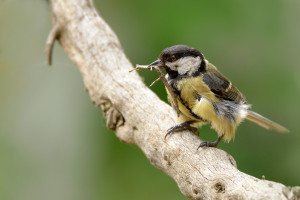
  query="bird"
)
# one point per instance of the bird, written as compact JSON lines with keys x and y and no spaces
{"x":204,"y":95}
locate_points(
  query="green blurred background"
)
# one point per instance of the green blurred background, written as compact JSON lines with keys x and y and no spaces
{"x":53,"y":141}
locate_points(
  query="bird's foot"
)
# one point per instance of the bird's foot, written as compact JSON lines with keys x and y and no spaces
{"x":181,"y":127}
{"x":210,"y":144}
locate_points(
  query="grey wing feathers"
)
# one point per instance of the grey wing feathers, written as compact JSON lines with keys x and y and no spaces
{"x":264,"y":122}
{"x":221,"y":86}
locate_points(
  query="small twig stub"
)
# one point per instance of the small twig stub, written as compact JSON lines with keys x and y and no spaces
{"x":53,"y":35}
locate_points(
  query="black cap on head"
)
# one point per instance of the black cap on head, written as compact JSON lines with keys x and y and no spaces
{"x":176,"y":52}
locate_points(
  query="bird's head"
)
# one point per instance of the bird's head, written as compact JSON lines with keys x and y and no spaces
{"x":181,"y":60}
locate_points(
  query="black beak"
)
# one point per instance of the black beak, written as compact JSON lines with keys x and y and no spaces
{"x":157,"y":63}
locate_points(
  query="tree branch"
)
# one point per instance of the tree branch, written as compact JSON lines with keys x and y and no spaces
{"x":137,"y":115}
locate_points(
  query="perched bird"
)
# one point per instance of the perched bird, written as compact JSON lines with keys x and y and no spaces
{"x":205,"y":96}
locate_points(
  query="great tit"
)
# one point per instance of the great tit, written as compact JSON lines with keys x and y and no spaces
{"x":205,"y":96}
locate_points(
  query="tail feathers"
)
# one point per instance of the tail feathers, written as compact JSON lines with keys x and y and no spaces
{"x":264,"y":122}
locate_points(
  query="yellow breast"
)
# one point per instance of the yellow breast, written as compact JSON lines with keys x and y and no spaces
{"x":223,"y":126}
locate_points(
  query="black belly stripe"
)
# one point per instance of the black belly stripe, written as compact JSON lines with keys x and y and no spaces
{"x":190,"y":110}
{"x":184,"y":103}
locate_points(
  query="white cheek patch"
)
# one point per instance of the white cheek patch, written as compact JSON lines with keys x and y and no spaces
{"x":187,"y":65}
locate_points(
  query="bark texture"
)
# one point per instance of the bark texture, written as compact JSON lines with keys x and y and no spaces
{"x":138,"y":116}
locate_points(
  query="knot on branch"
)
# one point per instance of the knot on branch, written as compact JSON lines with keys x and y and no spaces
{"x":114,"y":118}
{"x":219,"y":187}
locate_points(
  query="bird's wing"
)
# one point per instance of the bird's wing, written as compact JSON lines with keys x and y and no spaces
{"x":221,"y":86}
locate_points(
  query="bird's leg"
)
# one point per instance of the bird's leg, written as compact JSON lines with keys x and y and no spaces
{"x":211,"y":144}
{"x":181,"y":127}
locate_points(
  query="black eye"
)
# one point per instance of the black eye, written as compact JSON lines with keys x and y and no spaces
{"x":173,"y":58}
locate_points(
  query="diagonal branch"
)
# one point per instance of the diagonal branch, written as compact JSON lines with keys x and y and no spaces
{"x":129,"y":106}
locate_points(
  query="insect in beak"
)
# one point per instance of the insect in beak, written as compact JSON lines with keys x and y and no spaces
{"x":155,"y":64}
